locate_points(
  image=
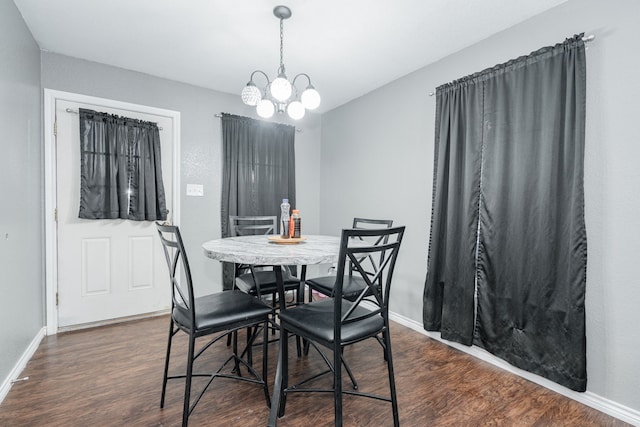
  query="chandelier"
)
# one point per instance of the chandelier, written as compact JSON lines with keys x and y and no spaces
{"x":280,"y":94}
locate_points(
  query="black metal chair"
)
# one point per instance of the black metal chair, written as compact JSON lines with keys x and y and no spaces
{"x":353,"y":285}
{"x":221,"y":314}
{"x":336,"y":322}
{"x":259,"y":280}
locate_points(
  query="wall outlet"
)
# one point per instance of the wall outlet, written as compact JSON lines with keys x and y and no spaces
{"x":195,"y":190}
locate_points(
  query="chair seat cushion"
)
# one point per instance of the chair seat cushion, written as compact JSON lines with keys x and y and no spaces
{"x":315,"y":321}
{"x":267,"y":280}
{"x":217,"y":312}
{"x":352,"y":286}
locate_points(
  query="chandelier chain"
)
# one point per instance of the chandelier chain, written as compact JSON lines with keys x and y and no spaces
{"x":281,"y":70}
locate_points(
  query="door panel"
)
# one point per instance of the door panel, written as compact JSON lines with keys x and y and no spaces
{"x":95,"y":267}
{"x":106,"y":268}
{"x":140,"y":262}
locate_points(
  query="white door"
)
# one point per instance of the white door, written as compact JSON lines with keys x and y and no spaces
{"x":107,"y":269}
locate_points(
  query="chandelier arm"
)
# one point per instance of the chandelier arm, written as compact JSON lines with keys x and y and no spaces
{"x":302,"y":74}
{"x":261,"y":72}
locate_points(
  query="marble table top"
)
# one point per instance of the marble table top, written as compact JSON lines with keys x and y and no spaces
{"x":259,"y":250}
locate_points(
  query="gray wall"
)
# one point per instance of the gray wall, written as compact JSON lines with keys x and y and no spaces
{"x":21,"y":236}
{"x":390,"y":133}
{"x":201,"y":145}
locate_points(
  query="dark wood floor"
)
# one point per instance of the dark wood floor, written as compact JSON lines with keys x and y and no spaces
{"x":111,"y":376}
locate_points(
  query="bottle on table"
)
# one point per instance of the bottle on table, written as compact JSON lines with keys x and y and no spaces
{"x":296,"y":224}
{"x":284,"y":219}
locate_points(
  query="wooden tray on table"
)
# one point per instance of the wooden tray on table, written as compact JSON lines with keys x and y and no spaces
{"x":290,"y":241}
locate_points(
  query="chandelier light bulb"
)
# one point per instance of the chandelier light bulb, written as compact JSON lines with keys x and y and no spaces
{"x":251,"y":95}
{"x":281,"y":88}
{"x":265,"y":108}
{"x":310,"y":98}
{"x":296,"y":110}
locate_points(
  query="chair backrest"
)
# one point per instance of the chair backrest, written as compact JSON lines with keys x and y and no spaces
{"x":252,"y":225}
{"x":355,"y":247}
{"x":366,"y":224}
{"x":175,"y":254}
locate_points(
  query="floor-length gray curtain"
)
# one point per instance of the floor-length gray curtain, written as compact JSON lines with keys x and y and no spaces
{"x":121,"y":168}
{"x":449,"y":299}
{"x":524,"y":280}
{"x":258,"y":171}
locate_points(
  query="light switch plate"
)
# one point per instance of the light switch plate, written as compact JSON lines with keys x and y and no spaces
{"x":195,"y":190}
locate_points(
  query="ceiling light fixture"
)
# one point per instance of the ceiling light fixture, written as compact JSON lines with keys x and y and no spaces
{"x":280,"y":94}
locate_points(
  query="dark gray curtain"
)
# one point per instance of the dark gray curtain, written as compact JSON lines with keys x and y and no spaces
{"x":258,"y":171}
{"x":449,"y":294}
{"x":507,"y":257}
{"x":121,"y":168}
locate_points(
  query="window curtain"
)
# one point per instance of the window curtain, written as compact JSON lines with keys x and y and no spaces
{"x":121,"y":168}
{"x":258,"y":171}
{"x":508,"y":248}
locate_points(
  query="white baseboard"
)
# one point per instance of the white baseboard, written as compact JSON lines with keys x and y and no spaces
{"x":21,"y":364}
{"x":110,"y":321}
{"x":588,"y":398}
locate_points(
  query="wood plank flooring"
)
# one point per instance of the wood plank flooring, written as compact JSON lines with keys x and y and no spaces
{"x":112,"y":375}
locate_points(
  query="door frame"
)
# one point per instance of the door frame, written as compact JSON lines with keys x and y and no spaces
{"x":50,"y":189}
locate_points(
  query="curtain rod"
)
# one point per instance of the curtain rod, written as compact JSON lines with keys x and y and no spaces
{"x":69,"y":110}
{"x":585,"y":39}
{"x":219,"y":115}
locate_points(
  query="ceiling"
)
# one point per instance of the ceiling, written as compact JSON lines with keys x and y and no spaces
{"x":348,"y":47}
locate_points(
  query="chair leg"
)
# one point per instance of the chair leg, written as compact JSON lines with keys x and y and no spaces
{"x":265,"y":361}
{"x":346,"y":367}
{"x":233,"y":289}
{"x":306,"y":346}
{"x":299,"y":346}
{"x":299,"y":300}
{"x":278,"y":385}
{"x":300,"y":343}
{"x":284,"y":339}
{"x":337,"y":386}
{"x":392,"y":382}
{"x":275,"y":300}
{"x":384,"y":346}
{"x":166,"y":362}
{"x":250,"y":332}
{"x":305,"y":343}
{"x":236,"y":367}
{"x":187,"y":386}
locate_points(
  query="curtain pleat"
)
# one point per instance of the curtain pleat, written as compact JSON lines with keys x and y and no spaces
{"x":529,"y":277}
{"x":121,"y":169}
{"x":258,"y":171}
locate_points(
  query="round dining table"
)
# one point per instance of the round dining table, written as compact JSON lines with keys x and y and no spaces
{"x":271,"y":250}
